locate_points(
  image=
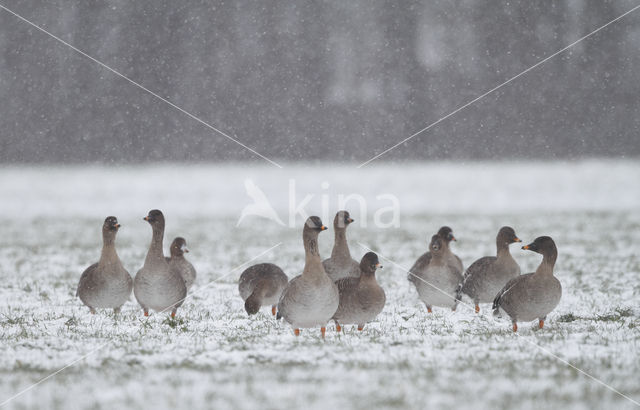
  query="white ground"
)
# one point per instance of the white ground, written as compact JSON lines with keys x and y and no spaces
{"x":215,"y":356}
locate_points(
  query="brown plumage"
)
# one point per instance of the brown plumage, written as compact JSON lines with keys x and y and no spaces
{"x":106,"y":284}
{"x":310,"y":299}
{"x":437,"y":282}
{"x":261,"y":285}
{"x":340,"y":264}
{"x":178,"y":263}
{"x":446,"y":234}
{"x":361,"y":299}
{"x":486,"y":276}
{"x":533,"y":295}
{"x":156,"y":286}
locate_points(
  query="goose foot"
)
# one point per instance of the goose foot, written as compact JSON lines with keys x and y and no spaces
{"x":360,"y":327}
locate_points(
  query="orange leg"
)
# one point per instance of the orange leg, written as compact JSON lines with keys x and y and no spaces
{"x":515,"y":327}
{"x":429,"y":309}
{"x":360,"y":327}
{"x":173,"y":314}
{"x":146,"y":312}
{"x":273,"y":310}
{"x":296,"y":332}
{"x":541,"y":323}
{"x":322,"y":331}
{"x":477,"y":308}
{"x":92,"y":310}
{"x":338,"y":327}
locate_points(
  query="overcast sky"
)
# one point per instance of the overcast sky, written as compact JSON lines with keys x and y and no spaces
{"x":317,"y":80}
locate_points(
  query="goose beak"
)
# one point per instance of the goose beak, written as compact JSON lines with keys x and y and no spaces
{"x":146,"y":218}
{"x":378,"y":266}
{"x":350,"y":220}
{"x":323,"y":228}
{"x":453,"y":238}
{"x":526,"y":247}
{"x":118,"y":226}
{"x":517,"y":239}
{"x":184,"y":248}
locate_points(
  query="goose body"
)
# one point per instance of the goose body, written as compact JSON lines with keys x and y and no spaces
{"x":178,"y":263}
{"x":261,"y":285}
{"x":533,"y":295}
{"x":340,"y":264}
{"x":156,"y":286}
{"x":361,"y":299}
{"x":487,"y":276}
{"x":309,"y":300}
{"x":106,"y":284}
{"x":446,"y":234}
{"x":437,"y":282}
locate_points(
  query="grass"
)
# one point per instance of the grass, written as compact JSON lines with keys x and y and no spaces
{"x":211,"y":354}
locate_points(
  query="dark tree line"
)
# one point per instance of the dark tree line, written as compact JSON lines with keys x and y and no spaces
{"x":334,"y":80}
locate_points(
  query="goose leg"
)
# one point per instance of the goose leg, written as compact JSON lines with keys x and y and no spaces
{"x":322,"y":331}
{"x":515,"y":327}
{"x":541,"y":322}
{"x":273,"y":310}
{"x":173,"y":312}
{"x":116,"y":310}
{"x":338,"y":327}
{"x":92,"y":310}
{"x":296,"y":332}
{"x":429,"y":309}
{"x":360,"y":327}
{"x":477,"y":308}
{"x":146,"y":311}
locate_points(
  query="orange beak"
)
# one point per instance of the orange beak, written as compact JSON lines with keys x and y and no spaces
{"x":518,"y":240}
{"x":525,"y":247}
{"x":146,"y":218}
{"x":118,"y":225}
{"x":323,"y":228}
{"x":453,"y":238}
{"x":350,"y":220}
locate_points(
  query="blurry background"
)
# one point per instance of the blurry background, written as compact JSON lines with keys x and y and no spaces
{"x":317,"y":80}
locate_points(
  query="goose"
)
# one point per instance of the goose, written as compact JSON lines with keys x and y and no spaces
{"x":156,"y":286}
{"x":179,"y":263}
{"x":106,"y":284}
{"x":340,"y":264}
{"x":446,"y":234}
{"x":361,"y":299}
{"x":532,"y":295}
{"x":437,"y":282}
{"x":310,"y":299}
{"x":486,"y":276}
{"x":261,"y":285}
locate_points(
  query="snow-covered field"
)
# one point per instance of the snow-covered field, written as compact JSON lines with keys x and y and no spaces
{"x":214,"y":356}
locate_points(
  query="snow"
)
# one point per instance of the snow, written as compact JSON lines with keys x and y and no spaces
{"x":213,"y":355}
